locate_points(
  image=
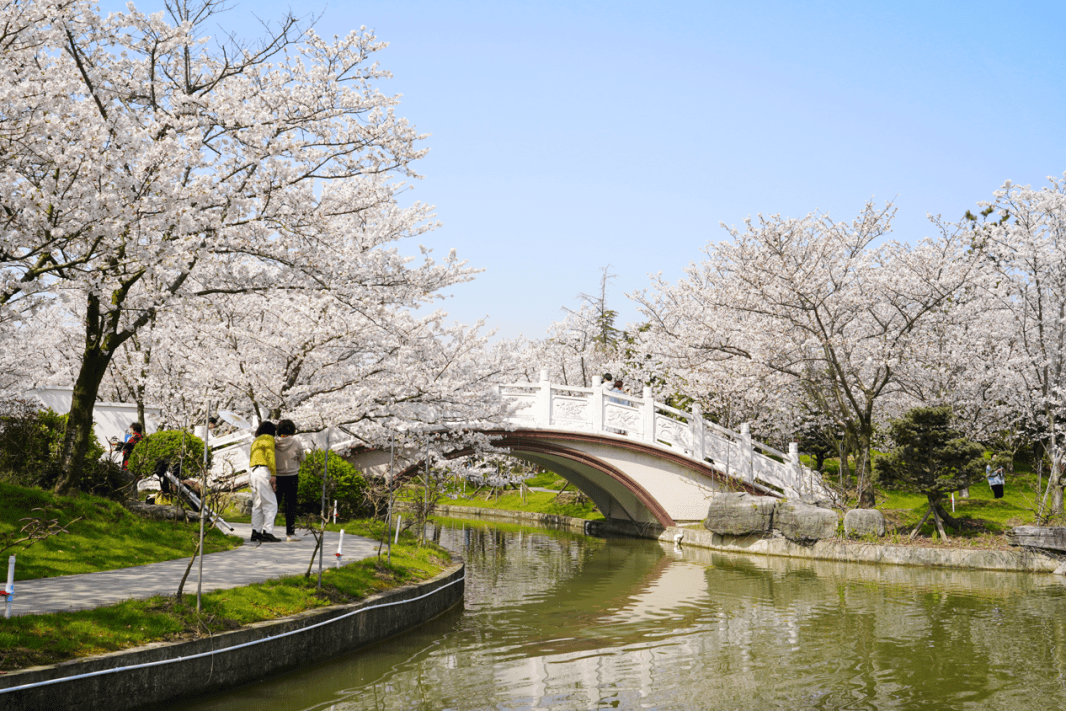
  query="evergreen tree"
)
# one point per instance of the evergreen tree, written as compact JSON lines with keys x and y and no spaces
{"x":932,"y":458}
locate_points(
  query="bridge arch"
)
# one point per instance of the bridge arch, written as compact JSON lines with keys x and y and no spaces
{"x":637,"y":459}
{"x":625,"y":479}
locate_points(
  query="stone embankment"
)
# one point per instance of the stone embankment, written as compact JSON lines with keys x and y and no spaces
{"x":770,"y":542}
{"x":167,"y":671}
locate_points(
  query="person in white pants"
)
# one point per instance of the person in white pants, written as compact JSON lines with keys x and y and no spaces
{"x":263,"y":480}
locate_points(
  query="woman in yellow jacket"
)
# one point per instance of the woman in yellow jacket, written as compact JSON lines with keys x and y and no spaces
{"x":263,"y":480}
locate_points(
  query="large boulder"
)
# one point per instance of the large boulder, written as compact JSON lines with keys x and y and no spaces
{"x":1047,"y":537}
{"x":864,"y":522}
{"x":803,"y":523}
{"x":740,"y":514}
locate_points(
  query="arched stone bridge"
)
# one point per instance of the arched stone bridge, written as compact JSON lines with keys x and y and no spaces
{"x":637,"y":459}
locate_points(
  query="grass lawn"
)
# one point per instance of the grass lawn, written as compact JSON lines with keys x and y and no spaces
{"x":984,"y":516}
{"x":107,"y":536}
{"x":536,"y":501}
{"x":546,"y":480}
{"x":46,"y":639}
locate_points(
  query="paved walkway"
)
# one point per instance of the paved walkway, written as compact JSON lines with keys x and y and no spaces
{"x":247,"y":564}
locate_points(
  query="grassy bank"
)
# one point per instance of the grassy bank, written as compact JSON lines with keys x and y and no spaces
{"x":105,"y":537}
{"x":47,"y":639}
{"x":985,"y":519}
{"x":535,"y":501}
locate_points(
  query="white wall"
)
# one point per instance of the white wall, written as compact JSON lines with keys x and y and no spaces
{"x":110,"y":418}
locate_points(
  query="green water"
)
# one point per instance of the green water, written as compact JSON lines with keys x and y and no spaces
{"x":555,"y":621}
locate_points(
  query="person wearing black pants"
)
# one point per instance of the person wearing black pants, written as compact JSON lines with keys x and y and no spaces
{"x":288,"y":454}
{"x":995,"y":482}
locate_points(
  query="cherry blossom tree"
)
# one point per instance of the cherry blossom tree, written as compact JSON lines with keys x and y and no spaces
{"x":814,"y":304}
{"x":143,"y":163}
{"x":1023,"y":230}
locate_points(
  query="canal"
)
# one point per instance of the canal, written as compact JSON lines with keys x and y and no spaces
{"x":560,"y":621}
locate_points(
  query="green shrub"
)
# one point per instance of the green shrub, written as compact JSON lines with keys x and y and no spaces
{"x":30,"y":444}
{"x":104,"y":477}
{"x":167,"y":444}
{"x":346,"y":485}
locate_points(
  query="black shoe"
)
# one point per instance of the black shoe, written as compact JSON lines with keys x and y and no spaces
{"x":268,"y":538}
{"x":256,"y":536}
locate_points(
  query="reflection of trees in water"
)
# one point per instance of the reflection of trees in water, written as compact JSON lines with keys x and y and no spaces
{"x":891,"y":636}
{"x":567,"y":622}
{"x":513,"y":565}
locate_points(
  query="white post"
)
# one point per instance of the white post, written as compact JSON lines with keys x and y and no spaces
{"x":794,"y":466}
{"x":699,"y":446}
{"x":649,"y":415}
{"x":340,"y":545}
{"x":596,"y":404}
{"x":203,"y":502}
{"x":9,"y":589}
{"x":747,"y":454}
{"x":544,"y":404}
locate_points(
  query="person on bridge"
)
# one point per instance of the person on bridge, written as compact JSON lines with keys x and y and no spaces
{"x":288,"y":455}
{"x":263,"y":480}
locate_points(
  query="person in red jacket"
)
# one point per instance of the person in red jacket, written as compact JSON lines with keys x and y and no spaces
{"x":136,"y":434}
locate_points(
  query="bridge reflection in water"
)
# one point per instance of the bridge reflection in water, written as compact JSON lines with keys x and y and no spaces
{"x":566,"y":622}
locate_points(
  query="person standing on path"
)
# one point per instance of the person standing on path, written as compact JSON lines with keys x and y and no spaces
{"x":288,"y":455}
{"x":263,"y":480}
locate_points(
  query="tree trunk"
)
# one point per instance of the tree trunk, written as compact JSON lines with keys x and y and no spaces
{"x":867,"y":499}
{"x":1055,"y":483}
{"x":950,"y":520}
{"x":140,"y":408}
{"x":147,"y":360}
{"x":80,"y":419}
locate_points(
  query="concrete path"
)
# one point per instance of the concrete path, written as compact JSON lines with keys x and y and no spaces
{"x":247,"y":564}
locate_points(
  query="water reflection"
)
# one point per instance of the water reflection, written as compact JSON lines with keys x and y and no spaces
{"x":558,"y":621}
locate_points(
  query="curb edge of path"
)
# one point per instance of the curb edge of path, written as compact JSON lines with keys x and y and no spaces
{"x":132,"y":678}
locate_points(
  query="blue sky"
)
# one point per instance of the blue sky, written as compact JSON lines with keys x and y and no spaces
{"x":567,"y":136}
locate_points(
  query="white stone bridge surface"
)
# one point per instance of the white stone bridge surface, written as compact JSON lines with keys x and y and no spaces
{"x":637,"y":459}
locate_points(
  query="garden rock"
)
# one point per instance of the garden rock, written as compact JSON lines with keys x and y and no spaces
{"x":803,"y":523}
{"x":864,"y":522}
{"x":241,"y":501}
{"x":740,"y":514}
{"x":156,"y":513}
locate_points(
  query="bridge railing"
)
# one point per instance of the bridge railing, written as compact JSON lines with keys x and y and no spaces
{"x":603,"y":411}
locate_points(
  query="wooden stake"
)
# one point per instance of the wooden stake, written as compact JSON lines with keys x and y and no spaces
{"x":921,"y":523}
{"x":939,"y":524}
